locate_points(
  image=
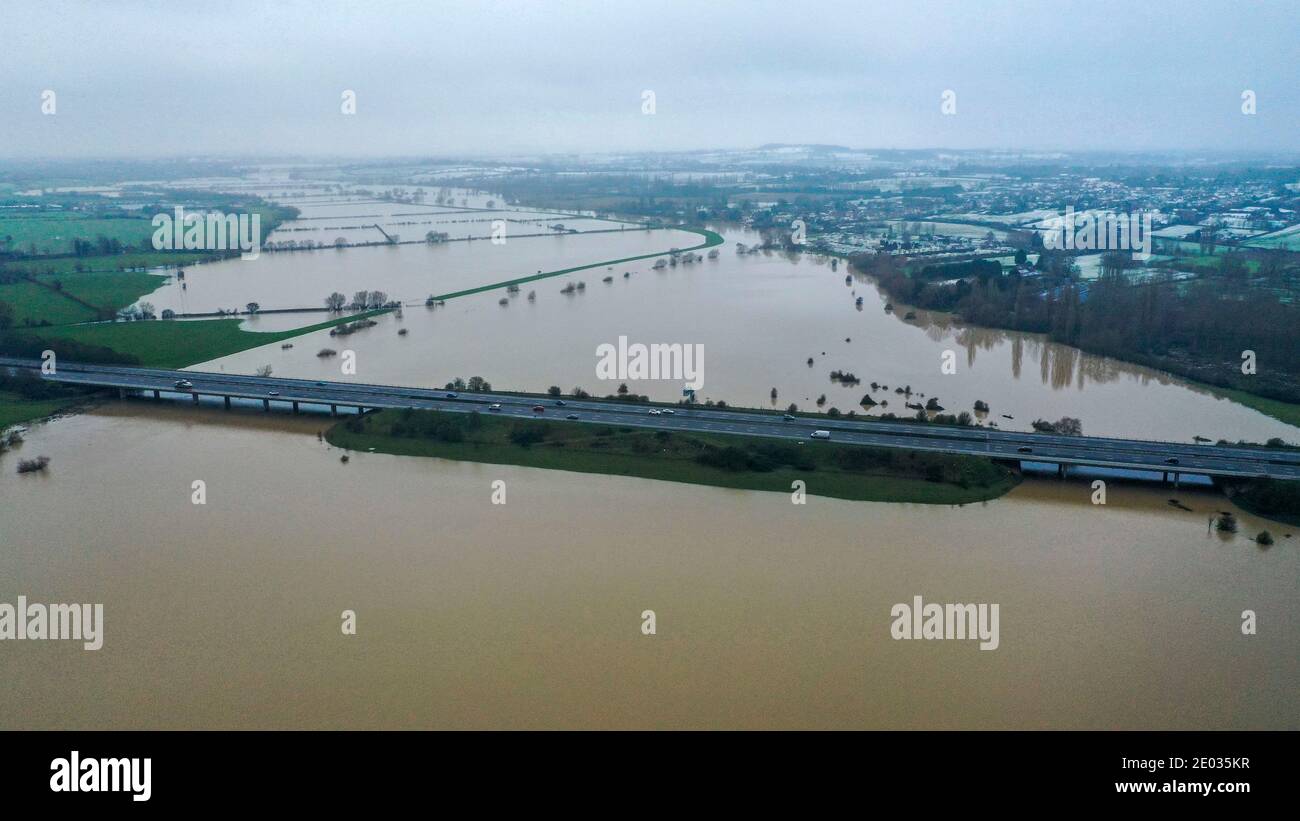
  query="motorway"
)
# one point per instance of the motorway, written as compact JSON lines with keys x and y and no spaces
{"x":1125,"y":454}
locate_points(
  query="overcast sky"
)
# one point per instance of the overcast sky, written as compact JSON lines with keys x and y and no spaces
{"x":438,"y":77}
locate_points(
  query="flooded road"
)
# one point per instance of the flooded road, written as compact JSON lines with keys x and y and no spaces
{"x":528,"y":614}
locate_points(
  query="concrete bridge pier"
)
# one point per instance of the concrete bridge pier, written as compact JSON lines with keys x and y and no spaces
{"x":295,"y":406}
{"x":266,"y":404}
{"x":121,"y":393}
{"x":227,"y":398}
{"x":157,"y":395}
{"x":196,"y":398}
{"x":334,"y":410}
{"x":1060,"y":470}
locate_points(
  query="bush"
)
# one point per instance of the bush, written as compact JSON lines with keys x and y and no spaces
{"x":725,"y":458}
{"x":527,"y":435}
{"x":33,"y":465}
{"x":1264,"y":538}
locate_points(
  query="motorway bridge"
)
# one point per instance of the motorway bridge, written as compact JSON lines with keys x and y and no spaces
{"x":1170,"y":459}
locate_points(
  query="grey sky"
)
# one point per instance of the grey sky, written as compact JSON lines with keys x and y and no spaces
{"x":491,"y":77}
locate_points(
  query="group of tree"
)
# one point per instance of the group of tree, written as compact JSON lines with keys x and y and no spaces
{"x":1198,"y":328}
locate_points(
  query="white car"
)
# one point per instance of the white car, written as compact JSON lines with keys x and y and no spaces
{"x":184,"y":384}
{"x":820,"y":434}
{"x":495,"y":406}
{"x":668,"y":412}
{"x":655,"y":411}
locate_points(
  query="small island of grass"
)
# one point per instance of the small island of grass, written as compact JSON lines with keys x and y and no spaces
{"x":828,"y":469}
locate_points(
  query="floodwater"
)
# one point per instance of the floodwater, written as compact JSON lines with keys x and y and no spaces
{"x":759,"y":318}
{"x":302,"y":279}
{"x":528,"y":614}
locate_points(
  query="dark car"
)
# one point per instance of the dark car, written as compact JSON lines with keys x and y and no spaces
{"x":452,"y":395}
{"x":538,"y":409}
{"x":559,"y":403}
{"x":1172,"y":460}
{"x":1024,"y":450}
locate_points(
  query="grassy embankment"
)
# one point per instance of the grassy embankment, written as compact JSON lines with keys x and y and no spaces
{"x":711,"y":238}
{"x":828,"y":469}
{"x":1282,"y":411}
{"x":15,"y":408}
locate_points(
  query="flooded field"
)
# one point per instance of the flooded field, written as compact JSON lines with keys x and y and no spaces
{"x":759,"y":317}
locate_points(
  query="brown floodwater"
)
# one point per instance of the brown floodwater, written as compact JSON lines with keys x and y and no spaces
{"x":528,"y":614}
{"x":759,"y":318}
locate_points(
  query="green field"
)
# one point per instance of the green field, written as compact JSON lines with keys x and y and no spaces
{"x":108,"y":291}
{"x":838,"y":471}
{"x":44,"y":266}
{"x":15,"y":408}
{"x":1287,"y":239}
{"x":178,"y":344}
{"x":33,"y":304}
{"x":53,"y":232}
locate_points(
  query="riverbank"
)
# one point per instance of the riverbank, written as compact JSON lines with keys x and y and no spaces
{"x":745,"y":463}
{"x":1052,"y":308}
{"x":1267,"y":498}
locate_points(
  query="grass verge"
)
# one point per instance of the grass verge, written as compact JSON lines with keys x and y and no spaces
{"x":837,"y":471}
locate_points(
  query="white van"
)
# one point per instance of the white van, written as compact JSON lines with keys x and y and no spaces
{"x":820,"y":434}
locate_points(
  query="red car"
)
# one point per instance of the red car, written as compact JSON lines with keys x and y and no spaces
{"x":538,"y":409}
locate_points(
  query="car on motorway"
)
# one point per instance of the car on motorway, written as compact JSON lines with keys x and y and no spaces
{"x":1172,"y":460}
{"x":538,"y":409}
{"x":184,"y":385}
{"x":320,"y":384}
{"x":559,"y":403}
{"x":572,"y":416}
{"x":820,"y":434}
{"x":452,"y":395}
{"x":1024,"y":450}
{"x":495,"y":406}
{"x":787,"y":417}
{"x":668,"y":412}
{"x":272,"y":393}
{"x":655,"y":411}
